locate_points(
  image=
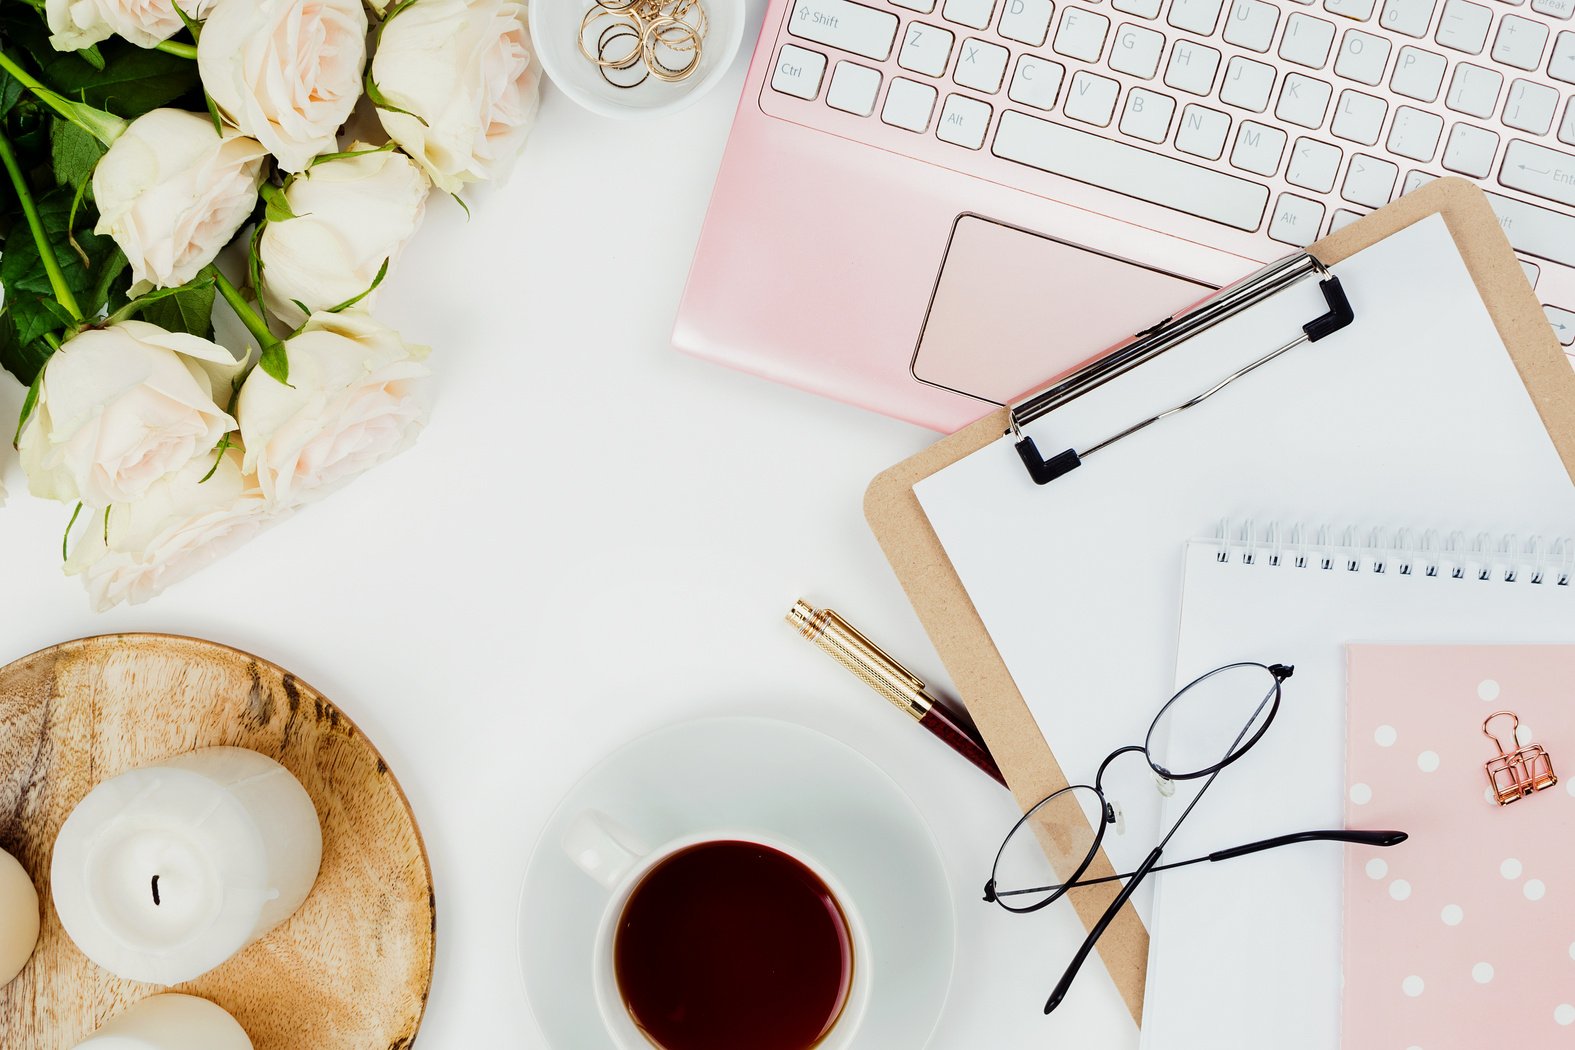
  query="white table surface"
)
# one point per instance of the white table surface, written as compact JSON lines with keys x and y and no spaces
{"x":594,"y":537}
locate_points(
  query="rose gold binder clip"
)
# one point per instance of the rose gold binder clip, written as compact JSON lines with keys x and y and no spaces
{"x":1516,"y":771}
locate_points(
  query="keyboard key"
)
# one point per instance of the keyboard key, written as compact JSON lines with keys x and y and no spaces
{"x":1140,"y":8}
{"x":1303,"y":101}
{"x":1295,"y":220}
{"x":853,"y":89}
{"x":1081,"y":34}
{"x":1411,"y":17}
{"x":1251,"y":24}
{"x":1147,"y":115}
{"x":1556,"y":8}
{"x":1192,"y":67}
{"x":1369,"y":181}
{"x":1520,"y":42}
{"x":1027,"y":21}
{"x":1342,"y":218}
{"x":963,"y":122}
{"x":1203,"y":131}
{"x":1567,"y":125}
{"x":1307,"y":40}
{"x":1530,"y":107}
{"x":1361,"y":10}
{"x":925,"y":49}
{"x":924,"y":7}
{"x":1131,"y":171}
{"x":846,"y":25}
{"x":1195,"y":16}
{"x":1313,"y":165}
{"x":1464,"y":26}
{"x":1539,"y":171}
{"x":1258,"y":148}
{"x":1415,"y":133}
{"x":1562,"y":65}
{"x":1532,"y":271}
{"x":1247,"y":84}
{"x":1563,"y":322}
{"x":908,"y":104}
{"x":1036,"y":82}
{"x":1474,"y":90}
{"x":1536,"y":230}
{"x":972,"y":13}
{"x":798,"y":72}
{"x":1092,"y":99}
{"x":1470,"y":150}
{"x":1363,"y":57}
{"x":1137,"y":51}
{"x":1418,"y":74}
{"x":1359,"y":117}
{"x":981,"y":65}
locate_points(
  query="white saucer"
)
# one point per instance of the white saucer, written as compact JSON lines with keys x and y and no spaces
{"x":775,"y":777}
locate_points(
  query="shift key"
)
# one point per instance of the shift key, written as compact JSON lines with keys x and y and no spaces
{"x":849,"y":26}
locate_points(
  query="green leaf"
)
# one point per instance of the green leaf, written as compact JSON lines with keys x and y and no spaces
{"x":74,"y":154}
{"x":382,"y":272}
{"x":276,"y":362}
{"x":132,"y":82}
{"x":65,"y":541}
{"x":278,"y":206}
{"x":23,"y":359}
{"x":387,"y":147}
{"x":28,"y":404}
{"x":224,"y":446}
{"x":188,"y":308}
{"x":11,"y":92}
{"x":375,"y":96}
{"x":92,"y":56}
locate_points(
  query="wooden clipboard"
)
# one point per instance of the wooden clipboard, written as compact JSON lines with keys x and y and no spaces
{"x":959,"y":635}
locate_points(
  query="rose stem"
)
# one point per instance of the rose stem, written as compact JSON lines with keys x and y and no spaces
{"x":106,"y":127}
{"x":46,"y":251}
{"x":175,"y":47}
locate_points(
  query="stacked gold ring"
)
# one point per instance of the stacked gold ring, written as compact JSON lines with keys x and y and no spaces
{"x":644,"y":32}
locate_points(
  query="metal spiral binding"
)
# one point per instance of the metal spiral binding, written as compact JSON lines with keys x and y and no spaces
{"x":1483,"y":558}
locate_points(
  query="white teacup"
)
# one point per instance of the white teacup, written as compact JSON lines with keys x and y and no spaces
{"x":615,"y":857}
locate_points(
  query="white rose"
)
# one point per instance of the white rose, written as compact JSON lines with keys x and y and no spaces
{"x":77,"y":24}
{"x":352,"y":214}
{"x":465,"y":68}
{"x":181,"y":525}
{"x":172,"y":192}
{"x":121,"y":408}
{"x":350,"y":405}
{"x":286,"y":72}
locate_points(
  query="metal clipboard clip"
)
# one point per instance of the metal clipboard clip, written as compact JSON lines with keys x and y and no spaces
{"x":1515,"y":773}
{"x":1168,"y":334}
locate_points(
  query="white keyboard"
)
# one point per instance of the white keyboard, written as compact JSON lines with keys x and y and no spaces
{"x":1276,"y":121}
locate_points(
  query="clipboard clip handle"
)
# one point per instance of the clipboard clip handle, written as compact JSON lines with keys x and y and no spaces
{"x":1339,"y":315}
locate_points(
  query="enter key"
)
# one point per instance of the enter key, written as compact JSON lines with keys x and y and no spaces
{"x":1539,"y":171}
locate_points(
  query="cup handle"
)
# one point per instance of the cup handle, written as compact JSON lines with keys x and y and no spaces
{"x":603,"y":848}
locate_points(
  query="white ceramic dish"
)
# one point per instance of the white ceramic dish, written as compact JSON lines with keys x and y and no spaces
{"x":555,"y":28}
{"x":777,"y":778}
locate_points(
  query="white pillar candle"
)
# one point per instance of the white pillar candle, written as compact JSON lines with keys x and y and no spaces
{"x":165,"y":872}
{"x":18,"y":918}
{"x":170,"y":1022}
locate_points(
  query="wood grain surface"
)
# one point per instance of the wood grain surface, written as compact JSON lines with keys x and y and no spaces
{"x":351,"y":969}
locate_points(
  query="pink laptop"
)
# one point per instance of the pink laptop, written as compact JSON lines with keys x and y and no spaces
{"x":931,"y":207}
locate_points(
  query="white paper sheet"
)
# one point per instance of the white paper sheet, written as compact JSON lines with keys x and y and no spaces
{"x":1412,"y":415}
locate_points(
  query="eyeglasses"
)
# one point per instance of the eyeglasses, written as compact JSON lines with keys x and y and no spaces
{"x":1205,"y":727}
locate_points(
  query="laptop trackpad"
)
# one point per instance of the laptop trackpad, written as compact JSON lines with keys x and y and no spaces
{"x":1014,"y":310}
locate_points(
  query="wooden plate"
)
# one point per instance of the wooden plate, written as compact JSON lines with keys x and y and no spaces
{"x":351,"y":969}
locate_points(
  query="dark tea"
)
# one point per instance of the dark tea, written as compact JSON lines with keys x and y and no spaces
{"x":729,"y":945}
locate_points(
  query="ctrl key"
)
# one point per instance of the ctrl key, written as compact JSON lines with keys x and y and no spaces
{"x":798,"y":72}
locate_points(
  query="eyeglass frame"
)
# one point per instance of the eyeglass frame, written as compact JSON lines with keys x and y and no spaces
{"x":1150,"y":864}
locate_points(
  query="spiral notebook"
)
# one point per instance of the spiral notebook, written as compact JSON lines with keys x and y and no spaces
{"x":1247,"y":953}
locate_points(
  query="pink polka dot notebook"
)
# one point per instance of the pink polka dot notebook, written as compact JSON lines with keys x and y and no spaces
{"x":1463,"y":936}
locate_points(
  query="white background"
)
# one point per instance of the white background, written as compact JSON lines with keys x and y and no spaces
{"x":594,"y":537}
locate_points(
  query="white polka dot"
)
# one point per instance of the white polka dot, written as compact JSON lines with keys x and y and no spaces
{"x":1510,"y":869}
{"x":1377,"y":868}
{"x":1452,"y":914}
{"x":1572,"y":949}
{"x":1412,"y":986}
{"x":1487,"y":793}
{"x":1399,"y":889}
{"x":1482,"y":972}
{"x":1534,"y":889}
{"x":1487,"y":689}
{"x":1385,"y":736}
{"x":1525,"y":735}
{"x":1569,"y":785}
{"x":1564,"y":1013}
{"x":1361,"y":794}
{"x":1427,"y":761}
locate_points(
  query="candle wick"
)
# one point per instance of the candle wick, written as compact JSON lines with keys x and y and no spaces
{"x":155,"y":891}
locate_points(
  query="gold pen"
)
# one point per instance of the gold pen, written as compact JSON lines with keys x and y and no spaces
{"x":871,"y":665}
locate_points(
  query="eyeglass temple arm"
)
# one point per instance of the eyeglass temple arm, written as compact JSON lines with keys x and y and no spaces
{"x":1099,"y":929}
{"x":1361,"y":838}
